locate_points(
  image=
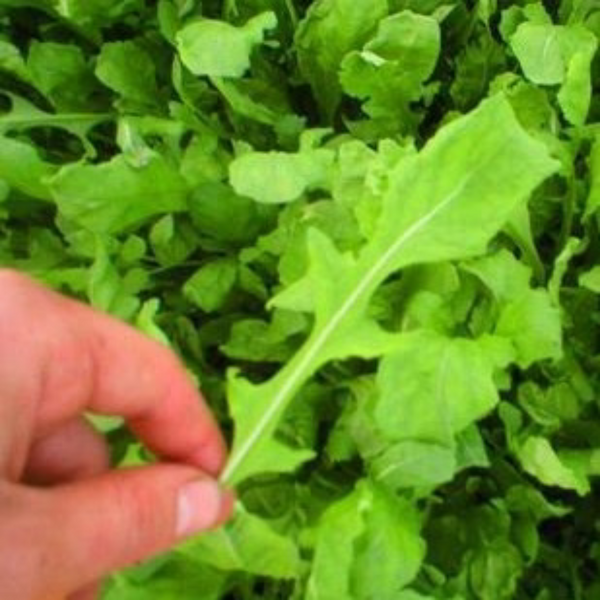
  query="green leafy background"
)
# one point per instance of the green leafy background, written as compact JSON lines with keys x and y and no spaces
{"x":370,"y":228}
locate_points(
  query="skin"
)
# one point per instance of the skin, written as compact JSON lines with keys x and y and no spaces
{"x":66,"y":519}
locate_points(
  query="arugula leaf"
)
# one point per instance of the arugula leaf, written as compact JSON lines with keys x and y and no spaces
{"x":528,"y":317}
{"x":475,"y":67}
{"x":62,"y":74}
{"x":23,"y":116}
{"x":113,"y":196}
{"x":331,"y":29}
{"x":12,"y":61}
{"x":413,"y":464}
{"x":533,"y":324}
{"x":434,"y":387}
{"x":23,"y":169}
{"x":128,"y":70}
{"x":108,"y":291}
{"x":210,"y":285}
{"x":552,"y":55}
{"x":354,"y":534}
{"x":246,"y":544}
{"x":539,"y":458}
{"x":340,"y":527}
{"x":591,"y":280}
{"x":93,"y":14}
{"x":167,"y":580}
{"x":221,"y":215}
{"x":420,"y":229}
{"x":289,"y":175}
{"x":257,"y":341}
{"x":379,"y":73}
{"x":593,"y":200}
{"x":539,"y":51}
{"x":218,"y":49}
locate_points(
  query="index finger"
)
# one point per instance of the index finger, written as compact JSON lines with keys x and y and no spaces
{"x":79,"y":359}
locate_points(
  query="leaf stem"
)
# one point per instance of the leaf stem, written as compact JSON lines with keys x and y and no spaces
{"x":8,"y":122}
{"x":293,"y":13}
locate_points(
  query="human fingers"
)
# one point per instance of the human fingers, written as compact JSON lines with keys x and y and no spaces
{"x":90,"y":592}
{"x":73,"y":451}
{"x":77,"y":359}
{"x":70,"y":536}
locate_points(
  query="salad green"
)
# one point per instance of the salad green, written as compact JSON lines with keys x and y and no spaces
{"x":370,"y":228}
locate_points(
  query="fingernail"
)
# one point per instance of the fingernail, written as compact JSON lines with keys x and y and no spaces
{"x":198,"y":506}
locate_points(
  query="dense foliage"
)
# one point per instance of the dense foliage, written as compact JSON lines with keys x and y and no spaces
{"x":371,"y":230}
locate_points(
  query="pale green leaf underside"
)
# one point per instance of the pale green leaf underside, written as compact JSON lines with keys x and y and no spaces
{"x":247,"y":543}
{"x":445,"y":203}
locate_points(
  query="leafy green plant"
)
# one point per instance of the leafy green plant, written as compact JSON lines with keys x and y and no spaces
{"x":370,"y":229}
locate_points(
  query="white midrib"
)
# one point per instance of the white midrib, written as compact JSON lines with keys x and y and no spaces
{"x":320,"y":340}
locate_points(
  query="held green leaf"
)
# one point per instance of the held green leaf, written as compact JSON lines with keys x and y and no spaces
{"x":445,"y":203}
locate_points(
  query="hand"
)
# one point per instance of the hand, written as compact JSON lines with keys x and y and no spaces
{"x":66,"y":520}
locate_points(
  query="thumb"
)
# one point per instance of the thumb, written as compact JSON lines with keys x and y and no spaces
{"x":67,"y":537}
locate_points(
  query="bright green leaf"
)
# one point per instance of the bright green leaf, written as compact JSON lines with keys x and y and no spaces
{"x":591,"y":280}
{"x":540,"y":460}
{"x":113,"y":196}
{"x":538,"y":49}
{"x":247,"y":543}
{"x":331,"y":29}
{"x":218,"y":49}
{"x":433,"y":387}
{"x":533,"y":324}
{"x":210,"y":285}
{"x":129,"y":71}
{"x":276,"y":177}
